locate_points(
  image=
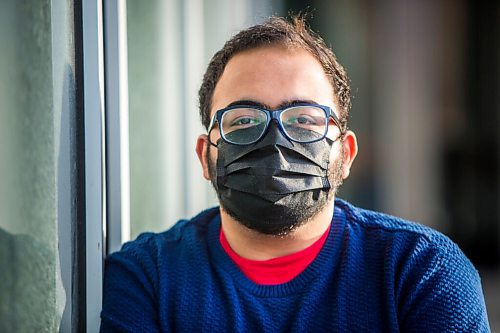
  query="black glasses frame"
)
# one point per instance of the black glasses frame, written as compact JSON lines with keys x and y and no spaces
{"x":273,"y":115}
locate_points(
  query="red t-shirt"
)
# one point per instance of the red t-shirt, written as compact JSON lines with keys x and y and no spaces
{"x":277,"y":270}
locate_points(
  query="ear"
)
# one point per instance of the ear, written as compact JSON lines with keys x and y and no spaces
{"x":201,"y":150}
{"x":350,"y":151}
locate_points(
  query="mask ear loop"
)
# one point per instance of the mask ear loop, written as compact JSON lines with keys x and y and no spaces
{"x":326,"y":182}
{"x":341,"y":135}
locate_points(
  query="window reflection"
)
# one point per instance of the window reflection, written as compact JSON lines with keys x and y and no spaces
{"x":36,"y":111}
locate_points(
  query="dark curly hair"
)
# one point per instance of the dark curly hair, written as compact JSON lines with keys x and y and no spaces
{"x":292,"y":33}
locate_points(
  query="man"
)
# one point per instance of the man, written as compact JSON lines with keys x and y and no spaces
{"x":281,"y":254}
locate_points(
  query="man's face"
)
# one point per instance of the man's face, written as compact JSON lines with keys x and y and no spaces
{"x":275,"y":76}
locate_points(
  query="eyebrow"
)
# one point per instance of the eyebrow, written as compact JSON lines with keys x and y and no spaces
{"x":284,"y":104}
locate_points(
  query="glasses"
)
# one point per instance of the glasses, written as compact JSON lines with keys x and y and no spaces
{"x":245,"y":124}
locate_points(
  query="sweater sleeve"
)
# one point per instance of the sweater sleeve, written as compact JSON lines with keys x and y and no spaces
{"x":129,"y":302}
{"x":441,"y":291}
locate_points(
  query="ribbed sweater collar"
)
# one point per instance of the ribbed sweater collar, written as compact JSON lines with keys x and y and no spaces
{"x":328,"y":257}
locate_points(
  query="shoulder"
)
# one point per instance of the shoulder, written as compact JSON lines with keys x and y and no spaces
{"x":150,"y":244}
{"x":415,"y":248}
{"x":144,"y":255}
{"x":141,"y":272}
{"x":394,"y":227}
{"x":371,"y":219}
{"x":436,"y":285}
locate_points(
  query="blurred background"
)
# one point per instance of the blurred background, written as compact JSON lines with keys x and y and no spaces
{"x":425,"y":77}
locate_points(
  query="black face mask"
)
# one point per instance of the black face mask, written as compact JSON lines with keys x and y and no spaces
{"x":274,"y":185}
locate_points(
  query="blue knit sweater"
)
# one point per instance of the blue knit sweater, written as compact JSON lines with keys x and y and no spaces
{"x":375,"y":273}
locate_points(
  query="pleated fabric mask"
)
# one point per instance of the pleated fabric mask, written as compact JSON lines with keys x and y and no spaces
{"x":272,"y":185}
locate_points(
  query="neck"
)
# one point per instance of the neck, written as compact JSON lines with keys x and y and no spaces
{"x":252,"y":245}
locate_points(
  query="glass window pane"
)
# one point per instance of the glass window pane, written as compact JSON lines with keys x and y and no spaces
{"x":36,"y":114}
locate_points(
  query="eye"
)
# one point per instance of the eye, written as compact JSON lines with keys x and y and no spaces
{"x":238,"y":119}
{"x":245,"y":121}
{"x":304,"y":117}
{"x":304,"y":120}
{"x":301,"y":120}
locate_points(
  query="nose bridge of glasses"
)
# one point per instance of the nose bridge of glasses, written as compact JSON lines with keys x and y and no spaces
{"x":276,"y":122}
{"x":275,"y":114}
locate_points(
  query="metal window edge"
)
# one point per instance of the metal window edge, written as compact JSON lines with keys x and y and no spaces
{"x":117,"y":125}
{"x":95,"y":191}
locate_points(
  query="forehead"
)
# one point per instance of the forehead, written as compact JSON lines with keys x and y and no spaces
{"x":272,"y":75}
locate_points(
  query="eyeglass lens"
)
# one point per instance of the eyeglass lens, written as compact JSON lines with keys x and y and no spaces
{"x":300,"y":123}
